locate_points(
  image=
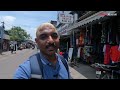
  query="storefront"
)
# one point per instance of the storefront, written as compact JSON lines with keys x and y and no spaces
{"x":97,"y":33}
{"x":89,"y":36}
{"x":104,"y":34}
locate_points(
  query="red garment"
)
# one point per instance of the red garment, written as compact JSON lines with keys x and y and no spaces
{"x":107,"y":55}
{"x":61,"y":53}
{"x":81,"y":39}
{"x":115,"y":54}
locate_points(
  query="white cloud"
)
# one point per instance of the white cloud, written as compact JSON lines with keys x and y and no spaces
{"x":9,"y":21}
{"x":8,"y":18}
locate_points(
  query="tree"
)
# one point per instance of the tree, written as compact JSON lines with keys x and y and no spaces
{"x":18,"y":34}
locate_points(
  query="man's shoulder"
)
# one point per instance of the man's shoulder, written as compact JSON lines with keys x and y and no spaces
{"x":32,"y":57}
{"x":24,"y":70}
{"x":26,"y":63}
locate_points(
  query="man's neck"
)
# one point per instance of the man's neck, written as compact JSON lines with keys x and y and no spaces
{"x":51,"y":58}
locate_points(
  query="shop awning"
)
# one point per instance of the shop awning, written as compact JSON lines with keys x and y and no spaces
{"x":91,"y":18}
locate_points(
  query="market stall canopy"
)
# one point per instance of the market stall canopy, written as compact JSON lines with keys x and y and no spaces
{"x":91,"y":18}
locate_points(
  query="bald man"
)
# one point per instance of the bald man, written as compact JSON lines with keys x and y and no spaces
{"x":51,"y":65}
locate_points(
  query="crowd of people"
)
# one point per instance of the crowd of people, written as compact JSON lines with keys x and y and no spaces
{"x":14,"y":47}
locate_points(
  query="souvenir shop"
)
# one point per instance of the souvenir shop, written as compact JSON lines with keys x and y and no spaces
{"x":99,"y":41}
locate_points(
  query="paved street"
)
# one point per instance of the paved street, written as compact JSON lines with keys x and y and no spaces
{"x":9,"y":62}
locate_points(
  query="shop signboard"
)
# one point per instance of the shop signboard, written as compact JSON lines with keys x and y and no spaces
{"x":65,"y":18}
{"x":63,"y":30}
{"x":70,"y":54}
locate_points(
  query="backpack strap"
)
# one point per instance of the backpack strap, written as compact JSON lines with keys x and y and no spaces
{"x":36,"y":67}
{"x":65,"y":64}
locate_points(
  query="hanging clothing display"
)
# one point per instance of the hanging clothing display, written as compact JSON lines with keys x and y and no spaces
{"x":114,"y":54}
{"x":107,"y":54}
{"x":81,"y":39}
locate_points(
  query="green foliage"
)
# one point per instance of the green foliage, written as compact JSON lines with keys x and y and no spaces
{"x":18,"y":34}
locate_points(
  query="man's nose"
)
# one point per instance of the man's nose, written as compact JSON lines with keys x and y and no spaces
{"x":50,"y":39}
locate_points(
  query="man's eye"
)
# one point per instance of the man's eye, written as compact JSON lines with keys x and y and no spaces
{"x":43,"y":36}
{"x":54,"y":35}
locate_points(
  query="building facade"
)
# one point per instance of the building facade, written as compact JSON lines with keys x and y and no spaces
{"x":89,"y":32}
{"x":4,"y":40}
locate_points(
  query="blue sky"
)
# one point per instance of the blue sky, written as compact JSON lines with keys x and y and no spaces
{"x":28,"y":20}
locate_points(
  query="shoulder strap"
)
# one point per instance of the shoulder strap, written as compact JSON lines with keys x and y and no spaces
{"x":36,"y":67}
{"x":65,"y":64}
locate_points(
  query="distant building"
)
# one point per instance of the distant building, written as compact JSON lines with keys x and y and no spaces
{"x":6,"y":39}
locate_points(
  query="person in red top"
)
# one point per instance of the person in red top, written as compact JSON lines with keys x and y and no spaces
{"x":61,"y":53}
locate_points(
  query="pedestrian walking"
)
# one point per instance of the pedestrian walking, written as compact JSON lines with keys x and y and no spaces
{"x":12,"y":48}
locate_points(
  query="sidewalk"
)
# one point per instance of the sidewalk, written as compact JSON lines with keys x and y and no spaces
{"x":75,"y":74}
{"x":82,"y":71}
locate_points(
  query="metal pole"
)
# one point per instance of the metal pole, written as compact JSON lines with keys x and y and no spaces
{"x":1,"y":44}
{"x":0,"y":40}
{"x":2,"y":34}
